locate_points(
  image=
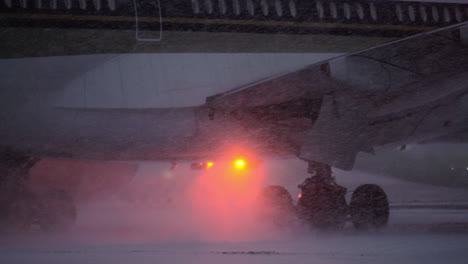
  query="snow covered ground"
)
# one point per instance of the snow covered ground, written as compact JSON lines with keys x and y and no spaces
{"x":348,"y":247}
{"x":117,"y":231}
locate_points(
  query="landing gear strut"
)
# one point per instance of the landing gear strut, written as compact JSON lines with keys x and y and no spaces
{"x":322,"y":203}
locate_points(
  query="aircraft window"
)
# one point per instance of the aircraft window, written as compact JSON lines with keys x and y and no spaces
{"x":97,"y":4}
{"x":82,"y":4}
{"x":196,"y":6}
{"x":222,"y":6}
{"x":373,"y":11}
{"x":399,"y":12}
{"x":111,"y":4}
{"x":423,"y":13}
{"x":38,"y":4}
{"x":411,"y":13}
{"x":347,"y":10}
{"x":265,"y":7}
{"x":53,"y":4}
{"x":320,"y":10}
{"x":360,"y":11}
{"x":435,"y":14}
{"x":447,"y":16}
{"x":333,"y":10}
{"x":209,"y":6}
{"x":250,"y":7}
{"x":458,"y":14}
{"x":24,"y":3}
{"x":236,"y":7}
{"x":292,"y":8}
{"x":279,"y":8}
{"x":7,"y":3}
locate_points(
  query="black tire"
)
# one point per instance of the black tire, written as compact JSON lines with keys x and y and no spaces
{"x":276,"y":206}
{"x":58,"y":212}
{"x":369,"y":207}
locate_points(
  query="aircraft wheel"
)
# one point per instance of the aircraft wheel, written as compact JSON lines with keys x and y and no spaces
{"x":369,"y":207}
{"x":276,"y":206}
{"x":58,"y":212}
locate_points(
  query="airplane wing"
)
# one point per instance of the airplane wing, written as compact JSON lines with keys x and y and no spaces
{"x":411,"y":90}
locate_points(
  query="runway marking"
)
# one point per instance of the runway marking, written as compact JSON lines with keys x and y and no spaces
{"x":215,"y":21}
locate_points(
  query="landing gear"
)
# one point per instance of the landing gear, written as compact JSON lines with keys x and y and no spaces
{"x":369,"y":207}
{"x":322,"y":204}
{"x":326,"y":209}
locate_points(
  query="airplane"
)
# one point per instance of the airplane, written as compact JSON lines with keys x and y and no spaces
{"x":405,"y":91}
